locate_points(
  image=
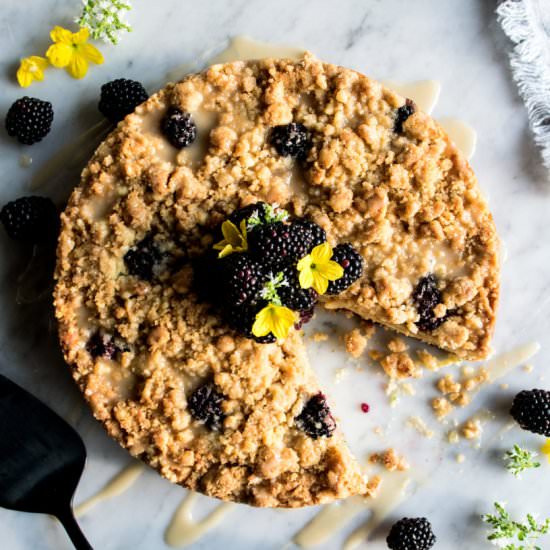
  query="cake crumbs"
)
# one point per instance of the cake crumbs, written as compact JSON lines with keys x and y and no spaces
{"x":460,"y":458}
{"x":400,"y":365}
{"x":320,"y":337}
{"x":373,"y":486}
{"x":390,"y":460}
{"x":447,"y":385}
{"x":355,"y":343}
{"x":375,"y":354}
{"x":528,"y":368}
{"x":420,"y":426}
{"x":341,"y":374}
{"x":467,"y":370}
{"x":441,"y":406}
{"x":472,"y":429}
{"x":453,"y":437}
{"x":397,"y":345}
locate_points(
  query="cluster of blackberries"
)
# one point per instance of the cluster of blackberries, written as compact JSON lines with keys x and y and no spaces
{"x":243,"y":283}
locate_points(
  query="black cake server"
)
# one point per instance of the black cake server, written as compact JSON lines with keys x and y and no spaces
{"x":41,"y":459}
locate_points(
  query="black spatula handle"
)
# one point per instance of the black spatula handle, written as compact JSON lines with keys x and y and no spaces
{"x":73,"y":530}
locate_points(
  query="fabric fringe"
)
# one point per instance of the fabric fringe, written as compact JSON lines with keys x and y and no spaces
{"x":523,"y":22}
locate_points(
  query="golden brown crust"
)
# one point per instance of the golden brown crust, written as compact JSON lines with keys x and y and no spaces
{"x":409,"y":203}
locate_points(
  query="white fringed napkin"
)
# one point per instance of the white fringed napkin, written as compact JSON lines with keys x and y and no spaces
{"x":527,"y":24}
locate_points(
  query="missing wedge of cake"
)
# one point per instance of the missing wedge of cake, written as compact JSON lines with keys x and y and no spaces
{"x":238,"y":414}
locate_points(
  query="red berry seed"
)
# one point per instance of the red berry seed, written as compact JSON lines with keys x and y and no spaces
{"x":365,"y":407}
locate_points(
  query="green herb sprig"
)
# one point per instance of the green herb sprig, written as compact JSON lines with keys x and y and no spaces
{"x":507,"y":531}
{"x":105,"y":19}
{"x":518,"y":460}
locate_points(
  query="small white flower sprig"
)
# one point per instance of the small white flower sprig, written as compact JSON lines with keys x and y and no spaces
{"x":105,"y":19}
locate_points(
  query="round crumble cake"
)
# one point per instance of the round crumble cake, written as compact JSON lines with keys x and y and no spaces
{"x":380,"y":174}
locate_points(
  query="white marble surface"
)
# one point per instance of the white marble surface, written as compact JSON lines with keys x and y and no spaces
{"x":457,"y":42}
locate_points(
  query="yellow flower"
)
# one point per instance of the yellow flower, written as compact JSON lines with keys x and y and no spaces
{"x":546,"y":449}
{"x":31,"y":68}
{"x":317,"y":269}
{"x":71,"y":51}
{"x":234,"y":240}
{"x":275,"y":319}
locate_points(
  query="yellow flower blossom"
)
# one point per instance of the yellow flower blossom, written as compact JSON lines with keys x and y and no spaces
{"x":71,"y":51}
{"x":275,"y":319}
{"x":31,"y":68}
{"x":317,"y":269}
{"x":546,"y":449}
{"x":234,"y":240}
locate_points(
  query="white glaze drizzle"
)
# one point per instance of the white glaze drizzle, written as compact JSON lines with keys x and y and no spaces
{"x":184,"y":530}
{"x":501,"y":365}
{"x":116,"y":486}
{"x":461,"y":134}
{"x":425,"y":93}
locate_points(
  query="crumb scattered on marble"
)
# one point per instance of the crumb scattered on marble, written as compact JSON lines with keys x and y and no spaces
{"x":355,"y":343}
{"x":453,"y":437}
{"x":400,"y":365}
{"x":397,"y":344}
{"x":472,"y":429}
{"x":373,"y":486}
{"x":420,"y":426}
{"x":378,"y":430}
{"x":340,"y":374}
{"x":447,"y":384}
{"x":408,"y":388}
{"x":476,"y":379}
{"x":467,"y":370}
{"x":460,"y":458}
{"x":504,"y":386}
{"x":390,"y":460}
{"x":528,"y":368}
{"x":441,"y":406}
{"x":320,"y":337}
{"x":427,"y":359}
{"x":375,"y":354}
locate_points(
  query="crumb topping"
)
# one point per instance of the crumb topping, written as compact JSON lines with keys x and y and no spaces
{"x":145,"y":210}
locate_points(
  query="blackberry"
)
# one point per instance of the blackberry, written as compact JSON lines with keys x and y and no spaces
{"x":316,"y":419}
{"x":411,"y":534}
{"x":277,"y":243}
{"x":426,"y":296}
{"x":246,"y":212}
{"x":30,"y":219}
{"x":29,"y":120}
{"x":293,"y":295}
{"x":143,"y":259}
{"x":206,"y":277}
{"x":205,"y":405}
{"x":179,"y":128}
{"x":242,"y":318}
{"x":314,"y":233}
{"x":102,"y":345}
{"x":291,"y":140}
{"x":531,"y":410}
{"x":305,"y":317}
{"x":120,"y":97}
{"x":403,"y":113}
{"x":352,"y":262}
{"x":243,"y":278}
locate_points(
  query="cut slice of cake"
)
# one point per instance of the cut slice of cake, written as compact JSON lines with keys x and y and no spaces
{"x":212,"y":410}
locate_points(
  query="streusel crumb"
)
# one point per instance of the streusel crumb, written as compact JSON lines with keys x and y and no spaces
{"x":355,"y":343}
